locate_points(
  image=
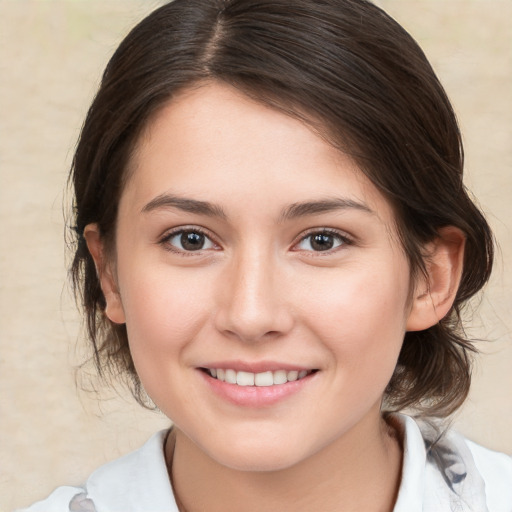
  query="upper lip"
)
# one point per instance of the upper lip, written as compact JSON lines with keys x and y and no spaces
{"x":255,"y":367}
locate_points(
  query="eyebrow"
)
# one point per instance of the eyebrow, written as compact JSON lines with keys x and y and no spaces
{"x":292,"y":211}
{"x":186,"y":205}
{"x":322,"y":206}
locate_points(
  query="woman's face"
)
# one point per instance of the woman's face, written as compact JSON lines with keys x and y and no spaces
{"x":249,"y":248}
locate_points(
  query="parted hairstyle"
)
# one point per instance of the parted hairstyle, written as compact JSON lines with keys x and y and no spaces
{"x":358,"y":79}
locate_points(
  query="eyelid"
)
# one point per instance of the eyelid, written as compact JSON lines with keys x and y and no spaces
{"x":163,"y":240}
{"x":170,"y":233}
{"x":345,"y":238}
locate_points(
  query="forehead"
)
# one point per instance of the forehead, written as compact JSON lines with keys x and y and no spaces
{"x":214,"y":142}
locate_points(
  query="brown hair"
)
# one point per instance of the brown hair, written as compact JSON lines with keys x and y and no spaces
{"x":349,"y":70}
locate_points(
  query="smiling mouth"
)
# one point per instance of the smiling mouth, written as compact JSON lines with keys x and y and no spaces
{"x":263,"y":379}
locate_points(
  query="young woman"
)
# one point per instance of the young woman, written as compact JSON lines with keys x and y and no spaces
{"x":274,"y":244}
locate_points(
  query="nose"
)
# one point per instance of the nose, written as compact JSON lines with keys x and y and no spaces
{"x":252,"y":300}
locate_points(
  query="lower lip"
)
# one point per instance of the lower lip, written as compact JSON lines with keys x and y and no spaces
{"x":255,"y":396}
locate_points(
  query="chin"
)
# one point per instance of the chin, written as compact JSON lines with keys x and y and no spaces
{"x":258,"y":455}
{"x":259,"y":462}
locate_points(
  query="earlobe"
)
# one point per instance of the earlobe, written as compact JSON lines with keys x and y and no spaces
{"x":114,"y":308}
{"x":435,"y":293}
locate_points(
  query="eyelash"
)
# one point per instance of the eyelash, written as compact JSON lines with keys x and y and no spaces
{"x":343,"y":240}
{"x":165,"y":241}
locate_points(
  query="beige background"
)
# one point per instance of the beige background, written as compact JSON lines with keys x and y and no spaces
{"x":51,"y":57}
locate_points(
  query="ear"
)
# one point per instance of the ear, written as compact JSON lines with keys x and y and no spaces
{"x":435,"y":293}
{"x":114,"y":309}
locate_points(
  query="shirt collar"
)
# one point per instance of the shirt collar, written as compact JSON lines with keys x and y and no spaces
{"x":410,"y":494}
{"x":138,"y":481}
{"x":436,"y":470}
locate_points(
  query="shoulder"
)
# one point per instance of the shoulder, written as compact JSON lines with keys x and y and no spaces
{"x":61,"y":500}
{"x":138,"y":481}
{"x":496,"y":471}
{"x":442,"y":470}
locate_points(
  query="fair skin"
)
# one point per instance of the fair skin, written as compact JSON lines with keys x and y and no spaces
{"x":245,"y":242}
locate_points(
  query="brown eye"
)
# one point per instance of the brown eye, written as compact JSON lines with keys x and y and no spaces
{"x":189,"y":240}
{"x":192,"y":241}
{"x":321,"y":241}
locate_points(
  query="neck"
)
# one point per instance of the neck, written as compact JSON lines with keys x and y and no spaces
{"x":360,"y":470}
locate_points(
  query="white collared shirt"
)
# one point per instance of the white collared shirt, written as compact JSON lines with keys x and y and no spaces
{"x":451,"y":474}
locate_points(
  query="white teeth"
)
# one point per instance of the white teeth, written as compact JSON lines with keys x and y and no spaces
{"x":245,"y":379}
{"x":292,"y":375}
{"x":264,"y":379}
{"x":231,"y":376}
{"x":280,"y":377}
{"x":257,"y":379}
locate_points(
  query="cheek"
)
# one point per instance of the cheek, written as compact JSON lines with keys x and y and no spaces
{"x":164,"y":310}
{"x":361,"y":316}
{"x":164,"y":314}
